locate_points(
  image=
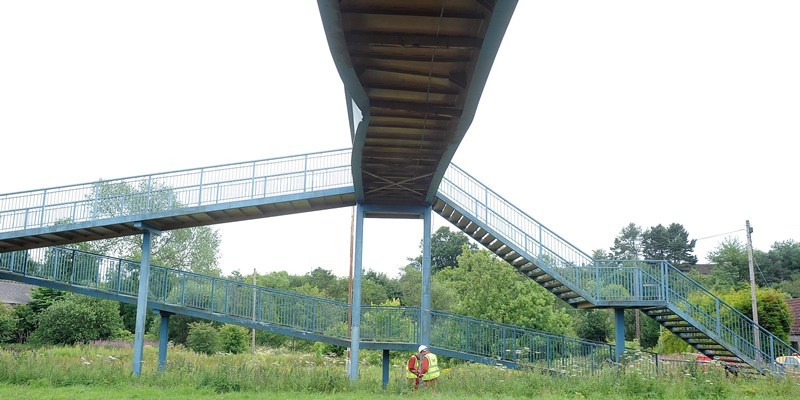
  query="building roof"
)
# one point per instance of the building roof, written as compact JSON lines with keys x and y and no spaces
{"x":704,"y":269}
{"x":794,"y":311}
{"x":14,"y":292}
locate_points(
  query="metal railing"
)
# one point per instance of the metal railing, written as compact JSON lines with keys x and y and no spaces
{"x":177,"y":189}
{"x":323,"y":317}
{"x":628,"y":282}
{"x":520,"y":346}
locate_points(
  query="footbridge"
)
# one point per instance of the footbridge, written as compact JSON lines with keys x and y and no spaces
{"x":413,"y":73}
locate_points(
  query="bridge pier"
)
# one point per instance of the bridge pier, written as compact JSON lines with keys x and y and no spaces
{"x":619,"y":332}
{"x":425,"y":303}
{"x":163,"y":339}
{"x":141,"y":299}
{"x":385,"y":368}
{"x":355,"y":326}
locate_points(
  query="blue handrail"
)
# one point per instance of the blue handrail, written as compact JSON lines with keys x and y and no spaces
{"x":174,"y":190}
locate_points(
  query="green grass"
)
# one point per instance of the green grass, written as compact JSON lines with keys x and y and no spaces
{"x":90,"y":372}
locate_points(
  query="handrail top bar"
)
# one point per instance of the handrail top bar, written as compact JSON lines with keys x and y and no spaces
{"x":175,"y":171}
{"x":522,"y":212}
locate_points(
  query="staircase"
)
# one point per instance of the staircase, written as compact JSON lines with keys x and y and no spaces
{"x":663,"y":292}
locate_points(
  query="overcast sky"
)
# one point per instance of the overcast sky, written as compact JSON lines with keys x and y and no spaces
{"x":595,"y":114}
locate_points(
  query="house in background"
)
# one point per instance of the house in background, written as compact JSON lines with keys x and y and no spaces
{"x":794,"y":331}
{"x":14,"y":293}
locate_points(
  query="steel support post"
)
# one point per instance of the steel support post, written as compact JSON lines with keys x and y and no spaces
{"x":355,"y":329}
{"x":425,"y":303}
{"x":619,"y":331}
{"x":141,"y":303}
{"x":163,"y":338}
{"x":385,"y":368}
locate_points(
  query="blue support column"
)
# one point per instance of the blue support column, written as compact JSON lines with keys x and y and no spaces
{"x":385,"y":369}
{"x":141,"y":303}
{"x":163,"y":338}
{"x":619,"y":331}
{"x":425,"y":304}
{"x":355,"y":329}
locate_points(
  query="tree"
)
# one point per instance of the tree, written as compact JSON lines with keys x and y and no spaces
{"x":78,"y":319}
{"x":783,"y":260}
{"x":491,"y":289}
{"x":233,"y":339}
{"x":203,"y":338}
{"x":628,"y":244}
{"x":446,"y":246}
{"x":773,"y":313}
{"x":594,"y":325}
{"x":732,"y":252}
{"x":671,"y":244}
{"x":791,"y":287}
{"x":8,"y":322}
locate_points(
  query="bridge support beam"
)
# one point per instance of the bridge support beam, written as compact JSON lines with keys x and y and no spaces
{"x":163,"y":339}
{"x":385,"y":368}
{"x":619,"y":332}
{"x":425,"y":303}
{"x":355,"y":327}
{"x":141,"y":301}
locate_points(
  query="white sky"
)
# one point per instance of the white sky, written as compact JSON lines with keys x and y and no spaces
{"x":596,"y":114}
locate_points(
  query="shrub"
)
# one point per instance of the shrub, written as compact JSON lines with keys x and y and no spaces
{"x":8,"y":322}
{"x":77,"y":319}
{"x":203,"y":338}
{"x":234,"y":339}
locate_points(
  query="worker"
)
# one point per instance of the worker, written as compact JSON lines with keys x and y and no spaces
{"x":424,"y":367}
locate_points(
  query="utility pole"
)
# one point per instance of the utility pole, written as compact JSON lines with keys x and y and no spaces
{"x":754,"y":304}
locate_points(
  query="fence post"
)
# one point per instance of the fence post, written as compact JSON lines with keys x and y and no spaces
{"x":253,"y":182}
{"x":305,"y":172}
{"x":213,"y":284}
{"x":200,"y":191}
{"x":44,"y":202}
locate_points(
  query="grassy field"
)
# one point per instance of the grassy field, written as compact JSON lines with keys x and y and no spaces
{"x":103,"y":372}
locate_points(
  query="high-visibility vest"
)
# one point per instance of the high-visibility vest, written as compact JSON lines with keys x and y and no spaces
{"x":414,"y":366}
{"x":433,"y":367}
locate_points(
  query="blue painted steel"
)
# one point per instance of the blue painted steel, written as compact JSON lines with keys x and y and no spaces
{"x":619,"y":332}
{"x":163,"y":339}
{"x":141,"y":304}
{"x":355,"y":328}
{"x":385,"y":369}
{"x":425,"y":304}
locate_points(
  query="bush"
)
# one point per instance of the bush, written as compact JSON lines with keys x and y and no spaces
{"x":77,"y":319}
{"x":234,"y":339}
{"x":8,"y":322}
{"x":203,"y":338}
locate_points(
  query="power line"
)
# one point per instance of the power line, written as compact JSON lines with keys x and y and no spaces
{"x":719,"y":234}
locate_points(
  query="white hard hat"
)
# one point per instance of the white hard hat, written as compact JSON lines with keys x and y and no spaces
{"x":422,"y":348}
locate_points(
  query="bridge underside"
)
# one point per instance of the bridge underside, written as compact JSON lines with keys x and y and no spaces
{"x":414,"y":71}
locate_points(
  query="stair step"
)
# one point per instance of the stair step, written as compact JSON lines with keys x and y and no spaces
{"x":502,"y":251}
{"x":656,"y":310}
{"x":463,"y":222}
{"x":479,"y":234}
{"x":544,"y":278}
{"x":560,"y":290}
{"x":455,"y":217}
{"x":511,"y":256}
{"x":569,"y":296}
{"x":438,"y":205}
{"x":520,"y":263}
{"x":471,"y":228}
{"x":447,"y":211}
{"x":488,"y":239}
{"x":552,"y":284}
{"x":583,"y":304}
{"x":527,"y":268}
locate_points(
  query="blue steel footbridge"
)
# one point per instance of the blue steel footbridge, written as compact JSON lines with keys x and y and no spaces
{"x":31,"y":222}
{"x":413,"y":73}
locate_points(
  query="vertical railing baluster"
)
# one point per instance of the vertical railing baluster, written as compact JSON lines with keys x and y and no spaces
{"x":200,"y":189}
{"x":44,"y":202}
{"x":253,"y":182}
